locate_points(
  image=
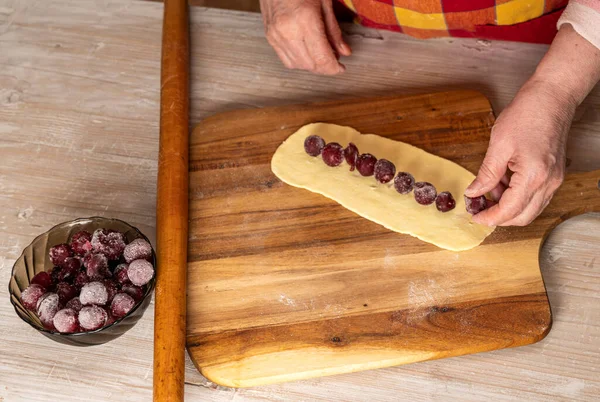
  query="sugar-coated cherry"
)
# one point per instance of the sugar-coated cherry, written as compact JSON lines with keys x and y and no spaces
{"x":110,"y":318}
{"x":365,"y":164}
{"x":81,"y":243}
{"x":139,"y":249}
{"x":93,"y":293}
{"x":140,"y":272}
{"x":475,"y":205}
{"x":65,"y":292}
{"x":66,"y":321}
{"x":69,"y":270}
{"x":111,"y":290}
{"x":136,"y":292}
{"x":43,"y":279}
{"x":425,"y":193}
{"x":96,"y":266}
{"x":333,"y":154}
{"x":47,"y":307}
{"x":55,"y":275}
{"x":59,"y":253}
{"x":404,"y":182}
{"x":351,"y":155}
{"x":74,"y":304}
{"x":444,"y":202}
{"x":121,"y":305}
{"x":313,"y":145}
{"x":81,"y":279}
{"x":384,"y":171}
{"x":92,"y":318}
{"x":108,"y":242}
{"x":31,"y":295}
{"x":120,"y":274}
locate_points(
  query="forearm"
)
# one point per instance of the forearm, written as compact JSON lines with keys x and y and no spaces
{"x":571,"y":67}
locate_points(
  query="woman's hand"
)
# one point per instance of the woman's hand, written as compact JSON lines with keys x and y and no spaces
{"x":530,"y":135}
{"x":305,"y":34}
{"x":529,"y":138}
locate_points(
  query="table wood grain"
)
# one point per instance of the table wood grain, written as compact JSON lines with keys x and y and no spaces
{"x":79,"y":108}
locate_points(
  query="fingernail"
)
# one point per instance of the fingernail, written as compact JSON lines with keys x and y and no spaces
{"x":344,"y":49}
{"x":471,"y":190}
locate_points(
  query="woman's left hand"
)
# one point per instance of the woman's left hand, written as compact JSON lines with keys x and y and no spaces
{"x":529,"y":139}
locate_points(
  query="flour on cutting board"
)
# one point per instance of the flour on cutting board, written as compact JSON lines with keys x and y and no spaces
{"x":283,"y":299}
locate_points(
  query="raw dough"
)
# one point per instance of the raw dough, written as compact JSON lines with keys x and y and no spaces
{"x":378,"y":202}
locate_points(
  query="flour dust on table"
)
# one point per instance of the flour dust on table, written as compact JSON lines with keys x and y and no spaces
{"x":359,"y":177}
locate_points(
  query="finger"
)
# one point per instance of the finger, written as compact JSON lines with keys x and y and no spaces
{"x":321,"y":52}
{"x":334,"y":33}
{"x":496,"y":192}
{"x":281,"y":52}
{"x":492,"y":170}
{"x":284,"y":57}
{"x":531,"y":211}
{"x":512,"y":203}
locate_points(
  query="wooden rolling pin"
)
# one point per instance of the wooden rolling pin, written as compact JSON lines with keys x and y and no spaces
{"x":172,"y":206}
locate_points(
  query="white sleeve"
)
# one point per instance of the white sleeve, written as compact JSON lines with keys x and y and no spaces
{"x":584,"y":17}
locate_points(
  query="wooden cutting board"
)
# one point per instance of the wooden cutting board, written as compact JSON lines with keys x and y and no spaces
{"x":284,"y":284}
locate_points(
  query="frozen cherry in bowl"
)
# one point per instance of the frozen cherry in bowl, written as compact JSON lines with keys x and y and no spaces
{"x":92,"y":318}
{"x":68,"y":272}
{"x":49,"y":299}
{"x":111,"y":290}
{"x":93,"y":293}
{"x":384,"y":171}
{"x":47,"y":307}
{"x":66,"y":321}
{"x":121,"y":305}
{"x":43,"y":279}
{"x":139,"y":249}
{"x":120,"y":274}
{"x":59,"y":253}
{"x":333,"y":154}
{"x":81,"y":243}
{"x":65,"y":292}
{"x":445,"y":202}
{"x":96,"y":266}
{"x":425,"y":193}
{"x":351,"y":155}
{"x":140,"y":272}
{"x":55,"y":275}
{"x":476,"y":204}
{"x":31,"y":295}
{"x":136,"y":292}
{"x":74,"y":304}
{"x":111,"y":243}
{"x":313,"y":145}
{"x":81,"y":279}
{"x":365,"y":164}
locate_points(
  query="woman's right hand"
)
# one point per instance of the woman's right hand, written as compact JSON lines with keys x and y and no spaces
{"x":305,"y":34}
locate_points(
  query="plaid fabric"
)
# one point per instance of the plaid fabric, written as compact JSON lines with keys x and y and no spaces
{"x":517,"y":20}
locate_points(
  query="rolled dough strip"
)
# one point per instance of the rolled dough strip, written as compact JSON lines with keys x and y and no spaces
{"x":380,"y":203}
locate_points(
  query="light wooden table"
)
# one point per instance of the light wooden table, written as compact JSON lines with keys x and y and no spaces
{"x":79,"y":88}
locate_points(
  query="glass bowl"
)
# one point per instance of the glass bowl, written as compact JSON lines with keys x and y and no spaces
{"x":35,"y":259}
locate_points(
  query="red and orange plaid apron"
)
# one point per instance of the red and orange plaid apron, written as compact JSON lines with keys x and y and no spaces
{"x":516,"y":20}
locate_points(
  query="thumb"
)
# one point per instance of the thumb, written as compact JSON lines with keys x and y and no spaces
{"x":491,"y":172}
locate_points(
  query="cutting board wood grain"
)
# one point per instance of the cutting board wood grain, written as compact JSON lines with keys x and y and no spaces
{"x":285,"y":284}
